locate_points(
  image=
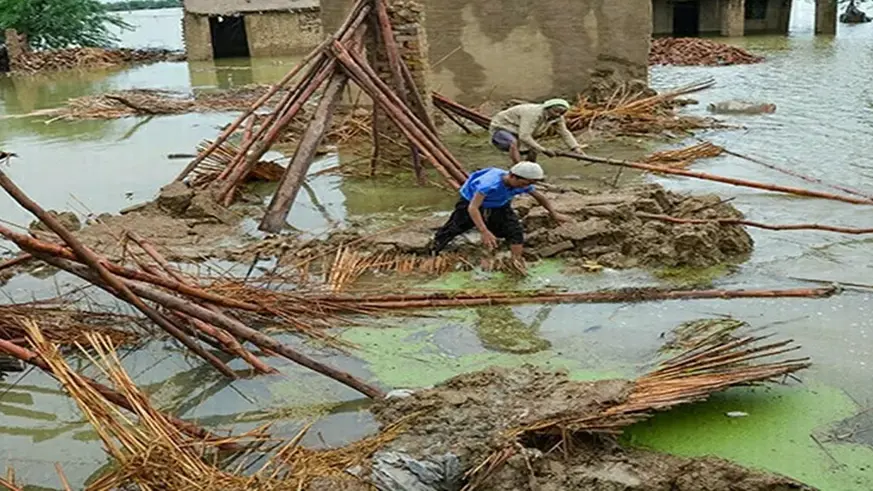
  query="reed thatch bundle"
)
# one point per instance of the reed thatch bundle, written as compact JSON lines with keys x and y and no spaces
{"x":714,"y":364}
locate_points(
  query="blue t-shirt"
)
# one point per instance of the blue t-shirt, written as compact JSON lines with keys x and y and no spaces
{"x":490,"y":183}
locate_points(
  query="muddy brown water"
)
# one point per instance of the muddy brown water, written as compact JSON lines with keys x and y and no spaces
{"x":823,"y":122}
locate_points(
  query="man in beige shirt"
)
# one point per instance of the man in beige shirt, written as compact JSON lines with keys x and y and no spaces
{"x":515,"y":130}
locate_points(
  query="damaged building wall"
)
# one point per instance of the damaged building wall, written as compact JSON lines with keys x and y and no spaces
{"x":272,"y":27}
{"x":516,"y":48}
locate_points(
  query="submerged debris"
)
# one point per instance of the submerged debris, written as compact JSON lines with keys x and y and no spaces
{"x":65,"y":59}
{"x":698,"y":51}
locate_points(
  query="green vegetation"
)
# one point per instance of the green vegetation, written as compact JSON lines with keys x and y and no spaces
{"x":143,"y":5}
{"x":56,"y":24}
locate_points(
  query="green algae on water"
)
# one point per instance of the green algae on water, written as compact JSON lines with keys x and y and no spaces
{"x":777,"y":435}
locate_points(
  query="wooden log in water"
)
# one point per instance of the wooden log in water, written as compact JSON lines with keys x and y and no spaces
{"x":95,"y":263}
{"x":289,"y":186}
{"x":766,"y":226}
{"x":712,"y":177}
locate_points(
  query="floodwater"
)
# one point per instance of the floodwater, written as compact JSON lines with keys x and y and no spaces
{"x":823,"y":122}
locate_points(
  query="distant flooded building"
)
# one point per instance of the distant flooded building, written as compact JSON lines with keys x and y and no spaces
{"x":242,"y":28}
{"x":691,"y":18}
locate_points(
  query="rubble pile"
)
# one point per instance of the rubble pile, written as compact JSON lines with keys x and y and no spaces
{"x":65,"y":59}
{"x":614,"y":229}
{"x":697,"y":51}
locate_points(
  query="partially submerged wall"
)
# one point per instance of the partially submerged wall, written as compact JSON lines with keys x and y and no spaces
{"x":517,"y":48}
{"x":268,"y":33}
{"x":198,"y":41}
{"x":712,"y":22}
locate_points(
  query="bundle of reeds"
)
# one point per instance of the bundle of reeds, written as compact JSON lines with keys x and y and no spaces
{"x":213,"y":166}
{"x":713,"y":365}
{"x":150,"y":452}
{"x":684,"y":157}
{"x":66,"y":324}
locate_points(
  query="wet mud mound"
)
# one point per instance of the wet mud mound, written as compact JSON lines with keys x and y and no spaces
{"x":615,"y":229}
{"x":460,"y":422}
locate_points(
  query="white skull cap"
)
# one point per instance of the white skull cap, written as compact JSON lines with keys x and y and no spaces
{"x":528,"y":170}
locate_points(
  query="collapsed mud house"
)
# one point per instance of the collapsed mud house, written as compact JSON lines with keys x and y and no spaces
{"x":242,"y":28}
{"x":732,"y":18}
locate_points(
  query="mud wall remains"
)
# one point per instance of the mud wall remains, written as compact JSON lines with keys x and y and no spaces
{"x":408,"y":20}
{"x":517,"y":48}
{"x":283,"y":33}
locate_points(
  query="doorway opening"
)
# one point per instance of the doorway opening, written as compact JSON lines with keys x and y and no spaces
{"x":229,"y":39}
{"x":686,"y":18}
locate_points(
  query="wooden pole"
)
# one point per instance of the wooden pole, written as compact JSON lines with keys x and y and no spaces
{"x":444,"y":102}
{"x":289,"y":186}
{"x":250,"y":111}
{"x":711,"y":177}
{"x":402,"y":117}
{"x":229,"y":343}
{"x":813,"y":180}
{"x":112,"y":396}
{"x":93,"y":261}
{"x":736,"y":221}
{"x":237,"y":328}
{"x":430,"y":136}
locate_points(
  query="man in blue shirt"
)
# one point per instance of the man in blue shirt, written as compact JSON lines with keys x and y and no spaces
{"x":486,"y":203}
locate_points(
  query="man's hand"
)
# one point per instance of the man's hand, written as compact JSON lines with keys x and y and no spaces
{"x":561,"y":218}
{"x":549,"y":152}
{"x":490,"y":240}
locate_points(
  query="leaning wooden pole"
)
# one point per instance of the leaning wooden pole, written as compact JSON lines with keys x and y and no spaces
{"x":88,"y":257}
{"x":289,"y":186}
{"x":111,"y":395}
{"x":765,"y":226}
{"x":711,"y":177}
{"x":250,"y":111}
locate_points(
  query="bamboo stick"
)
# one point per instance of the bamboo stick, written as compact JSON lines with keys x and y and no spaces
{"x":250,"y":111}
{"x":118,"y":288}
{"x":449,"y":105}
{"x":111,"y":395}
{"x":289,"y":186}
{"x":429,"y":135}
{"x":229,"y":343}
{"x":813,"y":180}
{"x":235,"y":327}
{"x":711,"y":177}
{"x":748,"y":223}
{"x":401,"y":115}
{"x":245,"y":161}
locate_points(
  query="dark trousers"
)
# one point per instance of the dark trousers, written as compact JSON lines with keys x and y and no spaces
{"x":502,"y":222}
{"x":503,"y":140}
